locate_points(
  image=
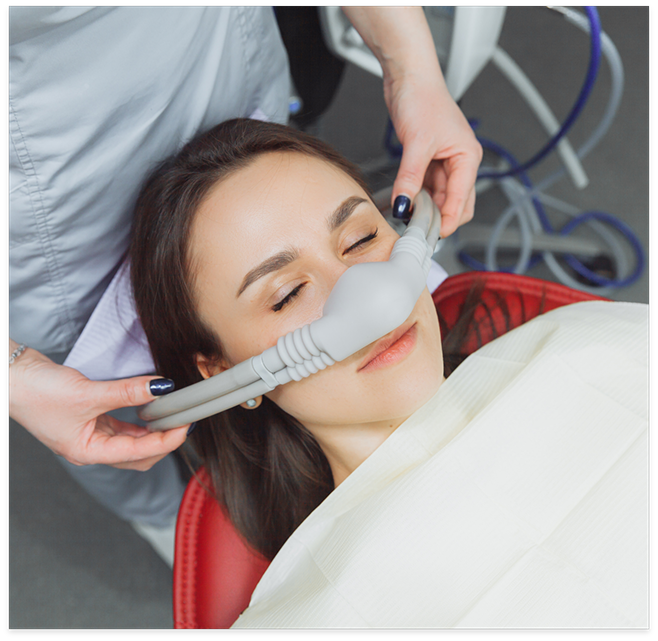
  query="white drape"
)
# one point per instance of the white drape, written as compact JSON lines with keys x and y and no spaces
{"x":517,"y":497}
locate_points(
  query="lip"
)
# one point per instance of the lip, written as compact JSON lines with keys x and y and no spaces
{"x":387,"y":342}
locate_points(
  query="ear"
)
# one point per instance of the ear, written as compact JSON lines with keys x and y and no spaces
{"x":210,"y":367}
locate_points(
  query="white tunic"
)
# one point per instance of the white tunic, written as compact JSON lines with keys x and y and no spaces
{"x":515,"y":498}
{"x":97,"y":97}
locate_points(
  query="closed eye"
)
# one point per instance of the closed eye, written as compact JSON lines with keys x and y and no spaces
{"x":295,"y":292}
{"x":282,"y":303}
{"x":358,"y":243}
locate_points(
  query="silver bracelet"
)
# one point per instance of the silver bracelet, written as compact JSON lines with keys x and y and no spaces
{"x":17,"y":352}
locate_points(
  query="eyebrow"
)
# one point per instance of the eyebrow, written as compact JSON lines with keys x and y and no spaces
{"x":287,"y":256}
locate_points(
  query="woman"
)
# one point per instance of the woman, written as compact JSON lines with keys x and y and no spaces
{"x":238,"y":240}
{"x":251,"y":193}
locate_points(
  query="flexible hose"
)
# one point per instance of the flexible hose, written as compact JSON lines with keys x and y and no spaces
{"x":590,"y":79}
{"x":520,"y":202}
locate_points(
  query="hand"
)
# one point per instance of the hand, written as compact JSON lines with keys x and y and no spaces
{"x":67,"y":413}
{"x":440,"y":151}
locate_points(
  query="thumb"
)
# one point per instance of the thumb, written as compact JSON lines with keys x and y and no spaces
{"x":129,"y":392}
{"x":416,"y":157}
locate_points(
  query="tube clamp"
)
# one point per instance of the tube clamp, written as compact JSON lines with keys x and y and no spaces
{"x":266,"y":376}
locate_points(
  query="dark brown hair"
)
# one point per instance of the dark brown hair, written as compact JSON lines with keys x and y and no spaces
{"x":267,"y":471}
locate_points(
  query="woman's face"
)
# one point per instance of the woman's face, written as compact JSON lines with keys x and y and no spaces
{"x":267,"y":246}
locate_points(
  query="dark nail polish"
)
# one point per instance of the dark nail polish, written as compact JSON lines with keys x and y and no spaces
{"x":401,"y":207}
{"x":191,"y":428}
{"x":161,"y":386}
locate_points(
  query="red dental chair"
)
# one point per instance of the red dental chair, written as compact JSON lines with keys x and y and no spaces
{"x":215,"y":572}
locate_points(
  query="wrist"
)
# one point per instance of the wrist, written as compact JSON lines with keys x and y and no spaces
{"x":400,"y":39}
{"x":16,"y":351}
{"x":18,"y":371}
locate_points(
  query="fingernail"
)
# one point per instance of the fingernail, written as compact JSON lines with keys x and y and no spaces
{"x":401,"y":207}
{"x":161,"y":386}
{"x":191,"y":428}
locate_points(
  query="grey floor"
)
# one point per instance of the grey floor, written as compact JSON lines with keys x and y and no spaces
{"x":74,"y":565}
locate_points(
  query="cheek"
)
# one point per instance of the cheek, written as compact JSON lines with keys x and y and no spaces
{"x":321,"y":398}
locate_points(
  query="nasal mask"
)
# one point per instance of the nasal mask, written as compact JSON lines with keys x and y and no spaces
{"x":368,"y":301}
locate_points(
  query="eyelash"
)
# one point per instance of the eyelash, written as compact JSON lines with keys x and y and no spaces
{"x":295,"y":292}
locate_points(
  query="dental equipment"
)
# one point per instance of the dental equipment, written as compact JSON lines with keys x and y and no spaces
{"x":466,"y":38}
{"x":368,"y":301}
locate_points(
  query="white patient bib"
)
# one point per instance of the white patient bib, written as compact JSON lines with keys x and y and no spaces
{"x":515,"y":498}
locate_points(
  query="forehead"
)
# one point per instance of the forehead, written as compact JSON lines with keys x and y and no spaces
{"x":278,"y":177}
{"x":278,"y":200}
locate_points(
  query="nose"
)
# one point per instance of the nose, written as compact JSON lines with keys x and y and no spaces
{"x":337,"y":265}
{"x":370,"y":300}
